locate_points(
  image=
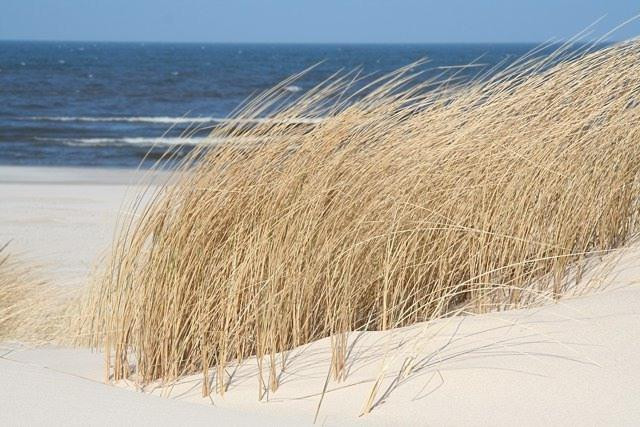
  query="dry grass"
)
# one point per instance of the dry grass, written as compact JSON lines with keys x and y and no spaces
{"x":30,"y":310}
{"x":402,"y":205}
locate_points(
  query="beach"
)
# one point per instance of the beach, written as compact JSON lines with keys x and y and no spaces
{"x":63,"y":219}
{"x":442,"y":243}
{"x":574,"y":361}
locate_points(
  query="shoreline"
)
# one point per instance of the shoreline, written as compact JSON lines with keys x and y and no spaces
{"x":10,"y":174}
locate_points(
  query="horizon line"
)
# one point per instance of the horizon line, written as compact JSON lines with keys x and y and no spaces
{"x":550,"y":41}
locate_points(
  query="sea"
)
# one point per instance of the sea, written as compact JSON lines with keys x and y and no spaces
{"x":122,"y":105}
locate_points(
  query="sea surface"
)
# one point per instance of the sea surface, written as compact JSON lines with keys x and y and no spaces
{"x":110,"y":104}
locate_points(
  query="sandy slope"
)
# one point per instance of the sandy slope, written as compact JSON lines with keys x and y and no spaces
{"x":575,"y":362}
{"x":35,"y":395}
{"x":571,"y":363}
{"x":62,"y":218}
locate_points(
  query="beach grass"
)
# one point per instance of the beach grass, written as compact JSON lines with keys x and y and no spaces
{"x":31,"y":311}
{"x":401,"y":203}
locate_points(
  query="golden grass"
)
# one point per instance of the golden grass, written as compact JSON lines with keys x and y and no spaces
{"x":404,"y":203}
{"x":30,"y":310}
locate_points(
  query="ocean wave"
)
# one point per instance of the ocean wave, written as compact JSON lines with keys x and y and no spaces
{"x":169,"y":120}
{"x":159,"y":119}
{"x":145,"y":141}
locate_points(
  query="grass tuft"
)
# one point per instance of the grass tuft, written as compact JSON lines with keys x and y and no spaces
{"x":31,"y":311}
{"x":370,"y":210}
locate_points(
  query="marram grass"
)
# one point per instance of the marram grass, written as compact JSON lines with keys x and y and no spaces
{"x":403,"y":203}
{"x":31,"y":311}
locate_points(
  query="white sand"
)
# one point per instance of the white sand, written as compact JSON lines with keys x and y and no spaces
{"x":62,"y":218}
{"x":36,"y":395}
{"x":576,"y":362}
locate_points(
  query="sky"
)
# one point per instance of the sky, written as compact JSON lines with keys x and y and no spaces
{"x":313,"y":21}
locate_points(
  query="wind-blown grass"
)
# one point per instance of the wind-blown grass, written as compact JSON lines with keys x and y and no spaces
{"x":31,"y":311}
{"x":404,"y":203}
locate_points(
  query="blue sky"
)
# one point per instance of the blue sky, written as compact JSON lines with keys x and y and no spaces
{"x":308,"y":21}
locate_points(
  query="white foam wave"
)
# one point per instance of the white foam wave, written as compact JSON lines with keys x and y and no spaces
{"x":171,"y":120}
{"x":131,"y":140}
{"x":160,"y":119}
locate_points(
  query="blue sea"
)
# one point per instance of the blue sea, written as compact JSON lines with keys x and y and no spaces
{"x":110,"y":104}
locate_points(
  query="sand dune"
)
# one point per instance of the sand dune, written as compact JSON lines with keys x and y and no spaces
{"x":574,"y":362}
{"x":570,"y":363}
{"x":37,"y":395}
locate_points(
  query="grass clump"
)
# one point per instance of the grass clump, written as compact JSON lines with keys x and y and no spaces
{"x":30,"y":310}
{"x":402,"y":203}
